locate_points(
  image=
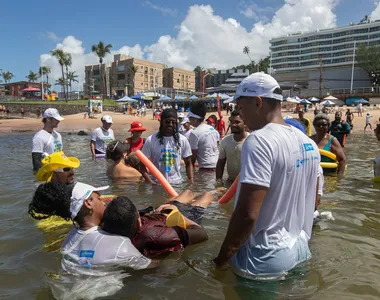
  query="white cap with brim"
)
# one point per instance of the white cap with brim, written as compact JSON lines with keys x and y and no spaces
{"x":193,"y":115}
{"x":185,"y":120}
{"x":181,"y":115}
{"x":81,"y":192}
{"x":52,"y":113}
{"x":258,"y":85}
{"x":107,"y":119}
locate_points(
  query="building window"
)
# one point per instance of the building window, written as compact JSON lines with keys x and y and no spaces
{"x":121,"y":68}
{"x":96,"y":72}
{"x":120,"y":76}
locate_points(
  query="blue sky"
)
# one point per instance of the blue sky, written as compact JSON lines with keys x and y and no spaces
{"x":31,"y":28}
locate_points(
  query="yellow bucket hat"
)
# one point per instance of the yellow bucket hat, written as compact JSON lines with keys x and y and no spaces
{"x":53,"y":162}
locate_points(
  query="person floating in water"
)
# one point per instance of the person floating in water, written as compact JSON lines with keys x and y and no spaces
{"x":271,"y":224}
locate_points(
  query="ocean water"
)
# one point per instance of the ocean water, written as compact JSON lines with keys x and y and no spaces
{"x":345,"y":262}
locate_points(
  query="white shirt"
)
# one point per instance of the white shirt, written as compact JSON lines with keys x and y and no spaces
{"x":45,"y":142}
{"x":94,"y":251}
{"x":102,"y":138}
{"x":166,"y":157}
{"x":205,"y":139}
{"x":186,"y":133}
{"x":284,"y":160}
{"x":367,"y":119}
{"x":230,"y":149}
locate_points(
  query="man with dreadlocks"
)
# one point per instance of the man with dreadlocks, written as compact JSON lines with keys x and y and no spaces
{"x":167,"y":147}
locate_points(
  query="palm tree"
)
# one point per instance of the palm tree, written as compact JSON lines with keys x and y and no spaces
{"x":61,"y":56}
{"x":246,"y":50}
{"x":60,"y":81}
{"x":45,"y":70}
{"x":7,"y":76}
{"x":71,"y":77}
{"x":101,"y":50}
{"x":32,"y":77}
{"x":133,"y":69}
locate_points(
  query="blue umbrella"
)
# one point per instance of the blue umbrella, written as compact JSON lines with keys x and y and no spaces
{"x":362,"y":101}
{"x":193,"y":97}
{"x":126,"y":99}
{"x":138,"y":96}
{"x":165,"y":98}
{"x":179,"y":98}
{"x":304,"y":101}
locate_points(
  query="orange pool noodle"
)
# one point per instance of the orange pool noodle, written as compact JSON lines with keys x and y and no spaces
{"x":230,"y":192}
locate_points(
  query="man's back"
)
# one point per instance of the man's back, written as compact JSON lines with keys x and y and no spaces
{"x":284,"y":160}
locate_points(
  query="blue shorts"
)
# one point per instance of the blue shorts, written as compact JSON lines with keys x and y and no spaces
{"x":194,"y":213}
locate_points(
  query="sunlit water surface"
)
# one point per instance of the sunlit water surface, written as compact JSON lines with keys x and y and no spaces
{"x":345,"y":262}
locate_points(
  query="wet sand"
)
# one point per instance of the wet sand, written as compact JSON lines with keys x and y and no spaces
{"x":121,"y":122}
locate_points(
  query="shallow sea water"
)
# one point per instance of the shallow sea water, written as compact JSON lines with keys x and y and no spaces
{"x":345,"y":262}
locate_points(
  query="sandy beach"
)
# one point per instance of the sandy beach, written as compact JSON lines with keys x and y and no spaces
{"x":121,"y":122}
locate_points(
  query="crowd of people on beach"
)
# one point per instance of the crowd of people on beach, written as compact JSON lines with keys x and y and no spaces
{"x":275,"y":159}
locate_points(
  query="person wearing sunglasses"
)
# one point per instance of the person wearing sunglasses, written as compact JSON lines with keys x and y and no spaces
{"x":57,"y":167}
{"x":167,"y":147}
{"x":328,"y":142}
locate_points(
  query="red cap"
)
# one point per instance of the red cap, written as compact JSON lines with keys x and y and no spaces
{"x":137,"y":126}
{"x":211,"y":120}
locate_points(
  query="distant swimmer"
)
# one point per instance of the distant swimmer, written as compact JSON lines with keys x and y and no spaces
{"x":47,"y":140}
{"x":340,"y":128}
{"x":149,"y":232}
{"x":57,"y":167}
{"x":87,"y":250}
{"x":271,"y":224}
{"x":101,"y":137}
{"x":328,"y":142}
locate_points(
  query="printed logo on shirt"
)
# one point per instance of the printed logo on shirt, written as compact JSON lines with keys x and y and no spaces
{"x":107,"y":140}
{"x":87,"y":253}
{"x":57,"y":146}
{"x":308,"y":147}
{"x":168,"y":158}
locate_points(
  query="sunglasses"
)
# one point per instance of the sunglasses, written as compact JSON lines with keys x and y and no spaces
{"x":170,"y":122}
{"x":322,"y":124}
{"x":63,"y":170}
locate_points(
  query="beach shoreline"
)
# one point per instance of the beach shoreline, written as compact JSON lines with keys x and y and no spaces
{"x":121,"y":122}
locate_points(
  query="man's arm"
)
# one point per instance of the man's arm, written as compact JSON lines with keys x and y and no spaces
{"x":189,"y":169}
{"x":194,"y":156}
{"x":92,"y":149}
{"x":337,"y":149}
{"x":220,"y":168}
{"x":242,"y":221}
{"x":36,"y":159}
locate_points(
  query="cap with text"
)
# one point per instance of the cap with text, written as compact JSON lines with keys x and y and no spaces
{"x":259,"y":85}
{"x":81,"y":192}
{"x":52,"y":113}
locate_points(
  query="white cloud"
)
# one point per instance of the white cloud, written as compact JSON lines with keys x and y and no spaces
{"x":208,"y":40}
{"x":52,"y":36}
{"x":164,"y":10}
{"x":375,"y":15}
{"x":252,"y":11}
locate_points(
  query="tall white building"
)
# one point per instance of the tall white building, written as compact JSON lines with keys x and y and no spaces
{"x":322,"y":60}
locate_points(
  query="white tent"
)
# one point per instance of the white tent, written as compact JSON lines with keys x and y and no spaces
{"x":229,"y":100}
{"x":291,"y":100}
{"x":327,"y":102}
{"x":330,"y":98}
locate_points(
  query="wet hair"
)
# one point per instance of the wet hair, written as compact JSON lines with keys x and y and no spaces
{"x":169,"y":113}
{"x":51,"y":199}
{"x":199,"y":108}
{"x":132,"y":160}
{"x":44,"y":120}
{"x":120,"y":217}
{"x":236,"y":113}
{"x":322,"y":117}
{"x":116,"y":150}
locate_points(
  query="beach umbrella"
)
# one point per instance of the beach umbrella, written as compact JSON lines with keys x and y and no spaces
{"x":362,"y":101}
{"x":229,"y":100}
{"x":292,"y":100}
{"x":313,"y":99}
{"x":297,"y":98}
{"x":212,"y":95}
{"x":330,"y":98}
{"x":327,"y":102}
{"x":165,"y":98}
{"x":193,"y":97}
{"x":138,"y":96}
{"x":31,"y":89}
{"x":224,"y":96}
{"x":304,"y":101}
{"x":126,"y":99}
{"x":179,"y":97}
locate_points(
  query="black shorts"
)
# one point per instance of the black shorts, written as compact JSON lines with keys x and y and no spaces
{"x":194,"y":213}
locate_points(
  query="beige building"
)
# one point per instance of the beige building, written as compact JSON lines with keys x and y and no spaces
{"x":179,"y":79}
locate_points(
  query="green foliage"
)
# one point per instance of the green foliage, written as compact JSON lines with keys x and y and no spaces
{"x":7,"y":76}
{"x":368,"y":58}
{"x":32,"y":77}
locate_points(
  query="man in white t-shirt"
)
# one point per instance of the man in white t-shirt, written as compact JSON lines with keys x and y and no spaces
{"x":47,"y":140}
{"x":272,"y":220}
{"x":204,"y":139}
{"x":230,"y":148}
{"x":167,"y":147}
{"x":101,"y":137}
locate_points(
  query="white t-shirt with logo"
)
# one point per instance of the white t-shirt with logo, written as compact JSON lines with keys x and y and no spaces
{"x":284,"y":160}
{"x":94,"y":252}
{"x":230,"y":149}
{"x":205,"y":139}
{"x":166,"y":157}
{"x":45,"y":142}
{"x":102,"y":138}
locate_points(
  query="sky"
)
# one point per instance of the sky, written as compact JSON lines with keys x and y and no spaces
{"x":181,"y":34}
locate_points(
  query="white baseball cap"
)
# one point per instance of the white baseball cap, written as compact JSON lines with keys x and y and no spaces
{"x":80,"y":193}
{"x":52,"y":113}
{"x":181,"y":115}
{"x":258,"y":85}
{"x":185,"y":120}
{"x":107,"y":119}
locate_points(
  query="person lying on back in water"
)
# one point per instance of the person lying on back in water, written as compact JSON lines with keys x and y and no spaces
{"x":149,"y":232}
